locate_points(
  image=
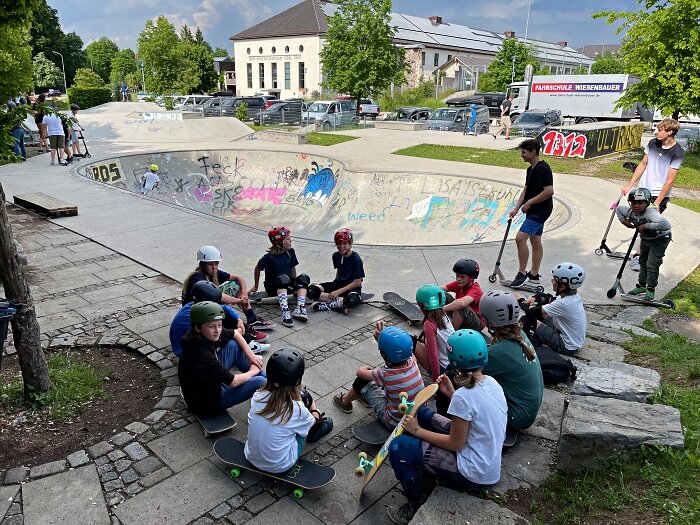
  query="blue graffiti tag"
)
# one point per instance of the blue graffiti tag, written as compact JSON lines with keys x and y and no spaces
{"x":320,"y":184}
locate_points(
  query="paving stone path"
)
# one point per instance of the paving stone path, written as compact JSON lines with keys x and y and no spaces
{"x":161,"y":469}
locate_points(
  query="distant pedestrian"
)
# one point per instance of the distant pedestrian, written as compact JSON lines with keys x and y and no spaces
{"x":124,"y":91}
{"x":57,"y":139}
{"x":506,"y":106}
{"x":38,"y":112}
{"x":471,"y":129}
{"x":18,"y":133}
{"x":75,"y":128}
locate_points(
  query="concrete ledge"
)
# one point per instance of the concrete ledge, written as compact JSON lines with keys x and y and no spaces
{"x":448,"y":506}
{"x":403,"y":126}
{"x":285,"y":137}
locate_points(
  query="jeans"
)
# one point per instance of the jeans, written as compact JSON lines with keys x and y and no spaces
{"x":232,"y":356}
{"x":18,"y":147}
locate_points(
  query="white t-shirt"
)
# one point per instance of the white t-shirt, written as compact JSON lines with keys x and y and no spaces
{"x":151,"y":180}
{"x":272,"y":445}
{"x":659,"y":161}
{"x":53,"y":125}
{"x":442,"y":335}
{"x":569,"y":318}
{"x":485,"y":407}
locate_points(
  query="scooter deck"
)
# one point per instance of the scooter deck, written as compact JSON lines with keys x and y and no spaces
{"x":616,"y":255}
{"x":641,"y":300}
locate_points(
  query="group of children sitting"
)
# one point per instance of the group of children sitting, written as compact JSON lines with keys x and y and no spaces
{"x":484,"y":391}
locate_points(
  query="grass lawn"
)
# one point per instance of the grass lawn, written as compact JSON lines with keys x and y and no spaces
{"x":327,"y":139}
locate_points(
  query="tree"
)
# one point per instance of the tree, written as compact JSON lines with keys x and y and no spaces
{"x":73,"y":55}
{"x":199,"y":61}
{"x":220,"y":52}
{"x":359,"y":57}
{"x":163,"y":62}
{"x":15,"y":61}
{"x":87,"y":78}
{"x":46,"y":73}
{"x":15,"y":12}
{"x":123,"y":64}
{"x":660,"y":48}
{"x":100,"y":54}
{"x":607,"y":63}
{"x":186,"y":34}
{"x":500,"y":70}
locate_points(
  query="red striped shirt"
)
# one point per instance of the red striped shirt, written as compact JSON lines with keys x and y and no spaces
{"x":406,"y":378}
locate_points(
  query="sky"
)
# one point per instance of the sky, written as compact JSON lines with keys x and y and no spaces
{"x":551,"y":20}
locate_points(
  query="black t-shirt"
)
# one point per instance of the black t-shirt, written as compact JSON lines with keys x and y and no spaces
{"x":278,"y":264}
{"x":505,"y":107}
{"x":349,"y":268}
{"x":537,"y":178}
{"x":199,"y":276}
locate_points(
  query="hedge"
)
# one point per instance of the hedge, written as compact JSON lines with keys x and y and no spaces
{"x":89,"y":97}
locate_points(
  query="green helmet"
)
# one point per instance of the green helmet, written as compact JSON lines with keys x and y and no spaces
{"x":205,"y":312}
{"x":431,"y":296}
{"x":467,"y":350}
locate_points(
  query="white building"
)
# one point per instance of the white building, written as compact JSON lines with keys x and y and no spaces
{"x":280,"y":55}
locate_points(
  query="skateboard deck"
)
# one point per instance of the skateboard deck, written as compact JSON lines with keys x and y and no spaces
{"x":510,"y":439}
{"x":216,"y":424}
{"x":304,"y":475}
{"x":261,"y":297}
{"x":641,"y":300}
{"x":407,"y":309}
{"x":374,"y":433}
{"x":367,"y":469}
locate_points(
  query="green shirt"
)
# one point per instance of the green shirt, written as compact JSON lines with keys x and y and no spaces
{"x":520,"y":379}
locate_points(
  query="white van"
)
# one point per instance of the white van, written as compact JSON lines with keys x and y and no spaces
{"x":187,"y":102}
{"x":330,"y":113}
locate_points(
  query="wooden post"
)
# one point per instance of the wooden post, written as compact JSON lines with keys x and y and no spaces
{"x":25,"y":327}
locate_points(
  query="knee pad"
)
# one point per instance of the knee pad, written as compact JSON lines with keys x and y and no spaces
{"x":351,"y":300}
{"x":406,"y":456}
{"x":283,"y":280}
{"x":302,"y":281}
{"x":314,"y":292}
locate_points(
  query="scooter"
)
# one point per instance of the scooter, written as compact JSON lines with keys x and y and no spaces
{"x":631,"y":166}
{"x":501,"y":278}
{"x":639,"y":299}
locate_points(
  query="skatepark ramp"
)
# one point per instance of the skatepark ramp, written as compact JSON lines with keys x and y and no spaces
{"x":314,"y":196}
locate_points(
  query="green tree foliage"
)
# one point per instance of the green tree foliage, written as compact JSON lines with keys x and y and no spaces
{"x":660,"y":47}
{"x":100,"y":54}
{"x":607,"y":63}
{"x":46,"y":73}
{"x":199,"y":60}
{"x":186,"y":34}
{"x":158,"y":48}
{"x":87,"y":78}
{"x":220,"y":52}
{"x":15,"y":61}
{"x":15,"y":12}
{"x":123,"y":65}
{"x":359,"y":57}
{"x":500,"y":71}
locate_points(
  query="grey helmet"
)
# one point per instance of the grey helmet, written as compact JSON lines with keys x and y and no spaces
{"x":570,"y":274}
{"x":499,"y":308}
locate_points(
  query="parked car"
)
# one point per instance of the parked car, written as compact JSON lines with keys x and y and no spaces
{"x":280,"y":113}
{"x":269,"y":100}
{"x":456,"y":119}
{"x":409,"y":113}
{"x":368,"y":108}
{"x":187,"y":102}
{"x":330,"y":113}
{"x":299,"y":100}
{"x":255,"y":105}
{"x":53,"y":93}
{"x":223,"y":94}
{"x":492,"y":101}
{"x":532,"y":122}
{"x":687,"y":134}
{"x":218,"y":107}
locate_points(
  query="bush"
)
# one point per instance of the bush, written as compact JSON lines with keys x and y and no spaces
{"x":242,"y":112}
{"x":421,"y":95}
{"x":87,"y":78}
{"x":169,"y":103}
{"x":89,"y":97}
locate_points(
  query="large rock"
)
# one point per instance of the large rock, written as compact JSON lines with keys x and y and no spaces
{"x":635,"y":314}
{"x":448,"y":506}
{"x":627,"y":327}
{"x":607,"y":335}
{"x":600,"y":351}
{"x":610,"y":382}
{"x":596,"y":428}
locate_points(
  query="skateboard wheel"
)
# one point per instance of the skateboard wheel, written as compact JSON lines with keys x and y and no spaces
{"x":403,"y":408}
{"x":235,"y":472}
{"x":298,"y":493}
{"x":492,"y":278}
{"x":360,"y":472}
{"x":403,"y":395}
{"x":599,"y":252}
{"x":362,"y":455}
{"x":539,"y":289}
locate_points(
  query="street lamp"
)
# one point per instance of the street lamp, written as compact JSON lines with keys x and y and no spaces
{"x":512,"y":73}
{"x":65,"y":85}
{"x":141,"y":64}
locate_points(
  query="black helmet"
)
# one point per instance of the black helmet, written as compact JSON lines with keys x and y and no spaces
{"x":206,"y":291}
{"x":640,"y":194}
{"x":467,"y":267}
{"x":285,"y":368}
{"x":74,"y":107}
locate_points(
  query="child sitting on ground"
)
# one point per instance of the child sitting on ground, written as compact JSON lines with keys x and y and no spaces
{"x":379,"y":388}
{"x":279,"y":265}
{"x":281,"y":415}
{"x":464,"y":310}
{"x":655,"y":233}
{"x":557,"y":322}
{"x":463,"y":451}
{"x":431,"y":352}
{"x":345,"y":291}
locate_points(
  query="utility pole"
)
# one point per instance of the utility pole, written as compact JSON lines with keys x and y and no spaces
{"x":63,"y":64}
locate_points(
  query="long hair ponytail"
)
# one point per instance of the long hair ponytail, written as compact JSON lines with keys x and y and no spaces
{"x":513,"y":332}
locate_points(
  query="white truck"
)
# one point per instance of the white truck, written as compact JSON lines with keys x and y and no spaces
{"x":581,"y":98}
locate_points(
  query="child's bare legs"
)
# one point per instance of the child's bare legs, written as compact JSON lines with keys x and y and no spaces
{"x":523,"y":251}
{"x":537,"y":253}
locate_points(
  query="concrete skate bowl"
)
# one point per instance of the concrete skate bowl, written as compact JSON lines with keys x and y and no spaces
{"x":314,"y":196}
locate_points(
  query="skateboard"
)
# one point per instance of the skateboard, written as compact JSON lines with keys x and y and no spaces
{"x":407,"y":309}
{"x":304,"y":475}
{"x":374,"y":433}
{"x":261,"y":297}
{"x":230,"y":288}
{"x":641,"y":300}
{"x":366,"y":468}
{"x":216,"y":424}
{"x":511,"y":438}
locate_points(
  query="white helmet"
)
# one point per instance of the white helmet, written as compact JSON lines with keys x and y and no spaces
{"x":499,"y":308}
{"x":570,"y":274}
{"x":208,"y":254}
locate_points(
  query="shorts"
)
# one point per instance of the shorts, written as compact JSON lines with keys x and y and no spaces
{"x":74,"y":135}
{"x":377,"y":400}
{"x":532,"y":228}
{"x":57,"y":141}
{"x":663,"y":204}
{"x":506,"y":122}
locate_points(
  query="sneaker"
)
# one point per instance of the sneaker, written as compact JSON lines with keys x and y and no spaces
{"x":365,"y":403}
{"x":53,"y":163}
{"x":533,"y":279}
{"x":519,"y":279}
{"x":634,"y":263}
{"x":300,"y":313}
{"x":257,"y":336}
{"x":338,"y":401}
{"x":261,"y":324}
{"x":258,"y":348}
{"x":494,"y":136}
{"x":649,"y":295}
{"x":507,"y":138}
{"x":320,"y":307}
{"x":401,"y":515}
{"x":638,"y":290}
{"x":322,"y":427}
{"x":287,"y":318}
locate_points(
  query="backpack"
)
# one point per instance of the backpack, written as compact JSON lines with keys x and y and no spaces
{"x":555,"y":367}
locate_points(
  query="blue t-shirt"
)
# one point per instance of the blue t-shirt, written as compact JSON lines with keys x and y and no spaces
{"x":348,"y":268}
{"x":199,"y":276}
{"x":181,"y":324}
{"x":278,"y":264}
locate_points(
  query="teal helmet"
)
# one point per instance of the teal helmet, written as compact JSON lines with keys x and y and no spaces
{"x":467,"y":350}
{"x":431,"y":296}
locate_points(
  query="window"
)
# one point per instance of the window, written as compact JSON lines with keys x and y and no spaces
{"x":247,"y":51}
{"x":260,"y":50}
{"x":449,"y":57}
{"x":301,"y":49}
{"x":274,"y":50}
{"x":286,"y":49}
{"x":302,"y":75}
{"x":287,"y":75}
{"x":423,"y":59}
{"x":261,"y":74}
{"x":249,"y":67}
{"x":436,"y":60}
{"x":274,"y":75}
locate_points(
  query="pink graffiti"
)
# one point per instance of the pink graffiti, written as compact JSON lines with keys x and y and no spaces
{"x":274,"y":195}
{"x":203,"y":195}
{"x":556,"y":144}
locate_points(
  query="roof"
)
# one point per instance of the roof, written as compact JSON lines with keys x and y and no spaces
{"x":305,"y":18}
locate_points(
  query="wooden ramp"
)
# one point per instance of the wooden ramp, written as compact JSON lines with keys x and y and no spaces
{"x":44,"y":204}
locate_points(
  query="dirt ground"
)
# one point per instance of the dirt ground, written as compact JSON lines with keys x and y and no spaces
{"x":132,"y":387}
